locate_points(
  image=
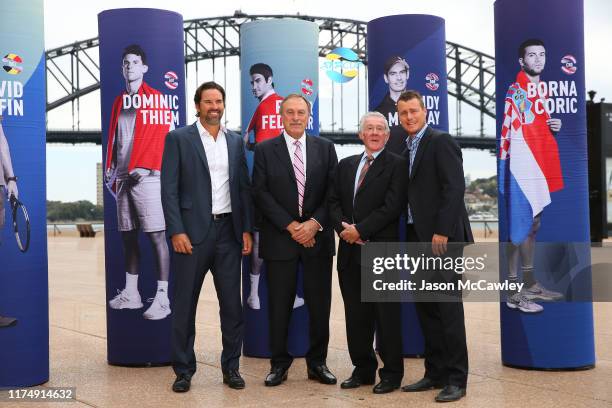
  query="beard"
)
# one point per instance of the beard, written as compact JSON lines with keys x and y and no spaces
{"x":213,"y":120}
{"x":532,"y":72}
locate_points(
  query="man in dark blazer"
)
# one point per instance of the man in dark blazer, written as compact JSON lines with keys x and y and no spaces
{"x":366,"y":200}
{"x":291,"y":178}
{"x":436,"y":214}
{"x":206,"y":196}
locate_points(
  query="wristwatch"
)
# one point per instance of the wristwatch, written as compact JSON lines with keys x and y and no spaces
{"x":14,"y":178}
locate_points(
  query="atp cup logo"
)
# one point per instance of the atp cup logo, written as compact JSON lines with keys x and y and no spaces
{"x":11,"y":63}
{"x":568,"y":64}
{"x":307,"y":87}
{"x":171,"y":80}
{"x":341,"y":65}
{"x":432,"y":81}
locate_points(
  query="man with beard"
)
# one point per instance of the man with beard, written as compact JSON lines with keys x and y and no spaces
{"x":528,"y":142}
{"x":206,"y":196}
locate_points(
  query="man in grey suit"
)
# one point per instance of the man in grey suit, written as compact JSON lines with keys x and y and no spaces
{"x":8,"y":183}
{"x":206,"y":196}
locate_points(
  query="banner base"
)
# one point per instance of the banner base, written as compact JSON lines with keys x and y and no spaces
{"x":140,"y":365}
{"x":581,"y":368}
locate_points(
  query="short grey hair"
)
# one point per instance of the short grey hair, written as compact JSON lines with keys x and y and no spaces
{"x":373,"y":115}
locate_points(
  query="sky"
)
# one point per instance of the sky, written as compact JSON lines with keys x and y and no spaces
{"x":468,"y":22}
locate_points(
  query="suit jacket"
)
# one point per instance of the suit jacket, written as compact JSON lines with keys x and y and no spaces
{"x":378,"y":203}
{"x":186,"y":185}
{"x":436,"y":189}
{"x":276,"y":197}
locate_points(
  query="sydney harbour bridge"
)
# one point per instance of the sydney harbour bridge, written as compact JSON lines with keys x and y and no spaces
{"x":212,"y":51}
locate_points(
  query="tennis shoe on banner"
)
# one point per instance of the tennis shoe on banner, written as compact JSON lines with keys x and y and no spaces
{"x":126,"y":300}
{"x":519,"y":301}
{"x":253,"y":302}
{"x":160,"y":306}
{"x":298,"y":302}
{"x":539,"y":292}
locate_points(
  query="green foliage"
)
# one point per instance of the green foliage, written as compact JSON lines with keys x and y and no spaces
{"x":485,"y":185}
{"x":76,"y":211}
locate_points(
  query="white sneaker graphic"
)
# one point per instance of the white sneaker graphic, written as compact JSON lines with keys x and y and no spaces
{"x":125,"y":300}
{"x":160,"y":307}
{"x":253,"y":302}
{"x":519,"y":301}
{"x":298,"y":302}
{"x":537,"y":291}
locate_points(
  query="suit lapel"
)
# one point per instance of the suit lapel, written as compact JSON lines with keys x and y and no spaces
{"x":377,"y":167}
{"x":231,"y":151}
{"x":196,"y":140}
{"x":419,"y":154}
{"x":282,"y":152}
{"x":311,"y":161}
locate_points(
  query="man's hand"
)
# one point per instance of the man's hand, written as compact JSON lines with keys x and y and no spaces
{"x":11,"y":189}
{"x":137,"y":174}
{"x":305,"y":231}
{"x":181,"y":244}
{"x":247,"y":243}
{"x":554,"y":124}
{"x":438,"y":244}
{"x":310,"y":243}
{"x":350,"y":234}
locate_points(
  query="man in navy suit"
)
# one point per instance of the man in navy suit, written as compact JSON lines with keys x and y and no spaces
{"x":436,"y":215}
{"x":366,"y":201}
{"x":206,"y":196}
{"x":291,"y":179}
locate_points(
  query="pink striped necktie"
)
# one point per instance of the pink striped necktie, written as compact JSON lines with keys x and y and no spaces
{"x":300,"y":176}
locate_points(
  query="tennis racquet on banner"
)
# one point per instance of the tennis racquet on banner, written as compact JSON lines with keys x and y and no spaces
{"x":21,"y":223}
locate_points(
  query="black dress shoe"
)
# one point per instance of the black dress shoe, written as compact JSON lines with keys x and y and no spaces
{"x":182,"y":383}
{"x":385,"y":386}
{"x":450,"y":393}
{"x":424,"y":384}
{"x":233,"y":379}
{"x":321,"y":374}
{"x":354,"y":382}
{"x":276,"y":376}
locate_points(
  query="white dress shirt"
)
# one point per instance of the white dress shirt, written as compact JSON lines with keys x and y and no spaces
{"x":218,"y":165}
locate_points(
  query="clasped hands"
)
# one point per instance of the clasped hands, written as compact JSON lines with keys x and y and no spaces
{"x":350,"y":234}
{"x":304,"y":232}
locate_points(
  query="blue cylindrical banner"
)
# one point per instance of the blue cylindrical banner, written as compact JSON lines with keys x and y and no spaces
{"x":543,"y":183}
{"x":142,"y":90}
{"x":278,"y":57}
{"x":407,"y":52}
{"x":24,"y":316}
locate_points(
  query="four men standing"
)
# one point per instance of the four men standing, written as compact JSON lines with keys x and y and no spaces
{"x":302,"y":195}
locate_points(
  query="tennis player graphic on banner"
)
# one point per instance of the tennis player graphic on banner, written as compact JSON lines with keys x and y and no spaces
{"x":140,"y":119}
{"x":530,"y":170}
{"x":8,"y":187}
{"x":265,"y":124}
